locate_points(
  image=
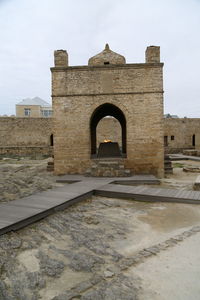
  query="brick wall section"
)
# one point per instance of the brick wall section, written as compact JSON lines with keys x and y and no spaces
{"x":136,"y":89}
{"x":183,"y":130}
{"x":25,"y":132}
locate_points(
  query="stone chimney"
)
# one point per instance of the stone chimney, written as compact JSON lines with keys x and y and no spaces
{"x":61,"y":58}
{"x":152,"y":54}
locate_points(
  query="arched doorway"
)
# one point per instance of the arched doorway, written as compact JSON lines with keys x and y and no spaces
{"x":100,"y":112}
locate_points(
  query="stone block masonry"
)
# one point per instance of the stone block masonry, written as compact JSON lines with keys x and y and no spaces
{"x":25,"y":136}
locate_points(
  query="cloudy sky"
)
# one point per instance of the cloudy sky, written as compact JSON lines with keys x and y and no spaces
{"x":30,"y":30}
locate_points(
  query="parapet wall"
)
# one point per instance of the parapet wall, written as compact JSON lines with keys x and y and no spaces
{"x":23,"y":136}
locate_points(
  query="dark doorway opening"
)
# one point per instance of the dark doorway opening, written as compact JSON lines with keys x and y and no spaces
{"x":165,"y":140}
{"x":193,"y":140}
{"x":100,"y":112}
{"x":51,"y":140}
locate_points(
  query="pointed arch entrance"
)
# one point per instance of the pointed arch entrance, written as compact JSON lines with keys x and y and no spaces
{"x":107,"y":109}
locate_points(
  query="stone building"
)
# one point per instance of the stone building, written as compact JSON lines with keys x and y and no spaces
{"x":107,"y":86}
{"x":34,"y":108}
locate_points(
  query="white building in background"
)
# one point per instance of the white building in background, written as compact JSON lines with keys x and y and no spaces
{"x":34,"y":108}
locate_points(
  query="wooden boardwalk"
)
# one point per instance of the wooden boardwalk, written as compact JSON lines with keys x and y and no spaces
{"x":149,"y":194}
{"x":19,"y":213}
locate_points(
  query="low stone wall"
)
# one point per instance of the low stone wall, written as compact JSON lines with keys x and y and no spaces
{"x":191,"y":152}
{"x":170,"y":150}
{"x":33,"y":152}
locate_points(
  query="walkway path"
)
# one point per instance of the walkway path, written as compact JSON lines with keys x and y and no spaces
{"x":19,"y":213}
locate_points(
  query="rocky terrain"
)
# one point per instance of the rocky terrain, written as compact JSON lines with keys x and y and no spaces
{"x":90,"y":250}
{"x":101,"y":248}
{"x":20,"y":178}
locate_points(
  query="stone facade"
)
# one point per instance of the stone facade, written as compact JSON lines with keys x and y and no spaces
{"x":25,"y":136}
{"x":181,"y":133}
{"x":132,"y":93}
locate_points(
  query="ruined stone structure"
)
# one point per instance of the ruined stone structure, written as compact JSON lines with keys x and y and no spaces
{"x":26,"y":136}
{"x":107,"y":86}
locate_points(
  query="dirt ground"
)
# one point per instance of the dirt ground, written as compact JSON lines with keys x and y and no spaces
{"x":104,"y":248}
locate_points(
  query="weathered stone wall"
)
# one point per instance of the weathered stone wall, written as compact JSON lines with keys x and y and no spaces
{"x":23,"y":136}
{"x":136,"y":89}
{"x":180,"y":132}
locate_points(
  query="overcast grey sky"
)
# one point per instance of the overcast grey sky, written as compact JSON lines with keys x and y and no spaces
{"x":30,"y":30}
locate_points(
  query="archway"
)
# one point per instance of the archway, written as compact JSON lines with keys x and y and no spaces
{"x":100,"y":112}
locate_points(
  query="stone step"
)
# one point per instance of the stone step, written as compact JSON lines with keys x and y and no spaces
{"x":108,"y":168}
{"x":168,"y":165}
{"x":50,"y":166}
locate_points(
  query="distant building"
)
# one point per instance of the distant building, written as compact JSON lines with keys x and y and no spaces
{"x":34,"y":108}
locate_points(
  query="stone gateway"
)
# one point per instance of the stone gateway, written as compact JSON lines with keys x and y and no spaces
{"x":132,"y":94}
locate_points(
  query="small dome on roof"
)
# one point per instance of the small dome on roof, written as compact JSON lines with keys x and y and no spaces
{"x":106,"y":57}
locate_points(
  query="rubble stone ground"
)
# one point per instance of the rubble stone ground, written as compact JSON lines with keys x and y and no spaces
{"x":23,"y":177}
{"x":102,"y":248}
